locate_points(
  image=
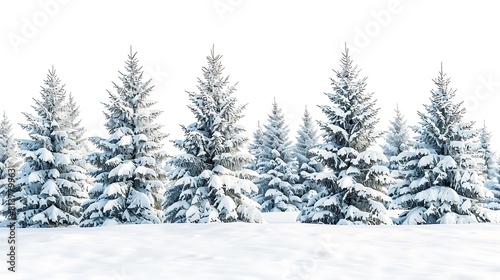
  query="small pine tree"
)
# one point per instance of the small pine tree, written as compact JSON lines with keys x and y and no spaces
{"x":489,"y":167}
{"x":8,"y":160}
{"x":49,"y":182}
{"x":441,"y":183}
{"x":397,"y":139}
{"x":255,"y":147}
{"x":307,"y":139}
{"x":355,"y":180}
{"x":129,"y":179}
{"x":209,"y":181}
{"x":277,"y":167}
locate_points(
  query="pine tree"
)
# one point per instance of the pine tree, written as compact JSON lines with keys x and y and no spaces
{"x":441,"y":183}
{"x":277,"y":167}
{"x":397,"y":138}
{"x":307,"y":139}
{"x":209,"y":181}
{"x":489,"y":157}
{"x":49,"y":182}
{"x":8,"y":160}
{"x":255,"y":147}
{"x":493,"y":203}
{"x":129,"y":181}
{"x":490,"y":168}
{"x":354,"y":181}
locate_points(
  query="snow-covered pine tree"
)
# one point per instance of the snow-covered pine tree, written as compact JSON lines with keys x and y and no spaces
{"x":51,"y":191}
{"x":307,"y":139}
{"x":440,"y":179}
{"x":397,"y":138}
{"x":354,"y":179}
{"x":493,"y":203}
{"x":209,"y":181}
{"x":8,"y":160}
{"x":129,"y":180}
{"x":256,"y":146}
{"x":278,"y":188}
{"x":490,"y":168}
{"x":76,"y":172}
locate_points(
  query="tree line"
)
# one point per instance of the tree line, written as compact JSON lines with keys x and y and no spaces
{"x":445,"y":173}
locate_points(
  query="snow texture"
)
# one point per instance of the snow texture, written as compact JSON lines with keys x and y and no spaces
{"x":289,"y":250}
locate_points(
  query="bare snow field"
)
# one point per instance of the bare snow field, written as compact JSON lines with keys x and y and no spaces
{"x":277,"y":249}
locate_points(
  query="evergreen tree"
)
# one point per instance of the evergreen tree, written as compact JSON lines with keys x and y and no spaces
{"x":77,"y":171}
{"x":307,"y":139}
{"x":277,"y":167}
{"x":354,"y":180}
{"x":489,"y":157}
{"x":490,"y":168}
{"x":440,"y":182}
{"x":209,"y":181}
{"x":8,"y":160}
{"x":397,"y":138}
{"x":128,"y":176}
{"x":256,"y":146}
{"x":49,"y":182}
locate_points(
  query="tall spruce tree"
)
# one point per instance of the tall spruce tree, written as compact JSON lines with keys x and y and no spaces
{"x":397,"y":138}
{"x":278,"y":188}
{"x":209,"y":181}
{"x":48,"y":180}
{"x":354,"y":181}
{"x":129,"y":180}
{"x":440,"y":179}
{"x":8,"y":160}
{"x":307,"y":139}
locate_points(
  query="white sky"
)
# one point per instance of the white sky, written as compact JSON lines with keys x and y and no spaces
{"x":283,"y":49}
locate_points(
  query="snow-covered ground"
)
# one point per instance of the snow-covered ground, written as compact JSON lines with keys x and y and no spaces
{"x":278,"y":249}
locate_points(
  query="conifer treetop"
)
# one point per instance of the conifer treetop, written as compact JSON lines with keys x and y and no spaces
{"x":352,"y":116}
{"x":442,"y":118}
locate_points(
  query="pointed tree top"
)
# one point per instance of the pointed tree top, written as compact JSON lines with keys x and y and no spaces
{"x":212,"y":51}
{"x":52,"y":71}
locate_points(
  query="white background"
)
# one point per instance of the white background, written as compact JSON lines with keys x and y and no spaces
{"x":283,"y":49}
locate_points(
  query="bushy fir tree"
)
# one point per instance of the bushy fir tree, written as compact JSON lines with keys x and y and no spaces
{"x":278,"y":188}
{"x":51,"y":184}
{"x":354,"y":179}
{"x":129,"y":180}
{"x":8,"y":160}
{"x":397,"y":139}
{"x":307,"y":139}
{"x":440,"y":182}
{"x":209,"y":181}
